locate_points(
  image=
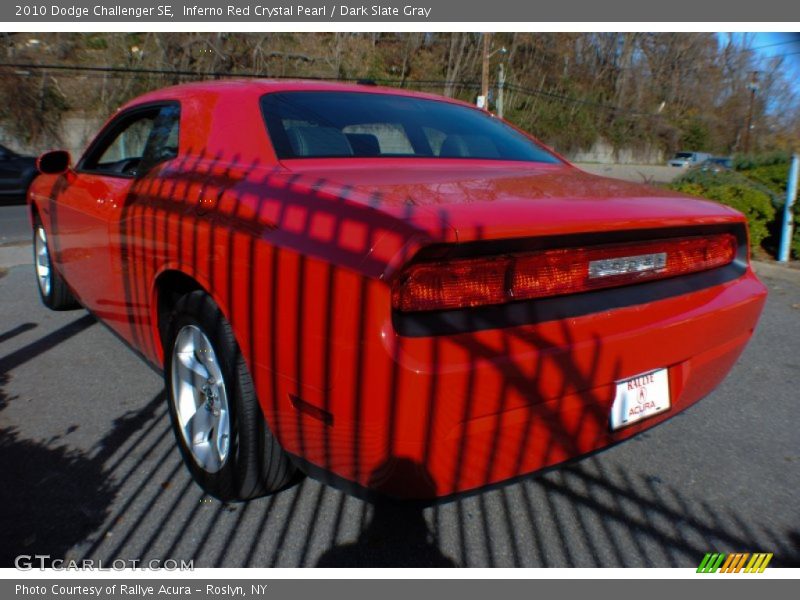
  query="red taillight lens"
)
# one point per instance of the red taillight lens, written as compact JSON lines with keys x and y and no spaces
{"x":465,"y":282}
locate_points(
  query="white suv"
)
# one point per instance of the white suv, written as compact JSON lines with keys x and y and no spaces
{"x":688,"y":159}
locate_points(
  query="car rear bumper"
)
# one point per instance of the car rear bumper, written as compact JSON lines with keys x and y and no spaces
{"x":433,"y":416}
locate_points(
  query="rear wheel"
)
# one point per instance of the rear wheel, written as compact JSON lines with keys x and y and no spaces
{"x":53,"y":289}
{"x":217,"y":421}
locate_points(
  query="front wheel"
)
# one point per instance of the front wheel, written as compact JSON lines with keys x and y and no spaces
{"x":53,"y":290}
{"x":215,"y":414}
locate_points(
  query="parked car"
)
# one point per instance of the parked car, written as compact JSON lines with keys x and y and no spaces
{"x":716,"y":164}
{"x":16,"y":174}
{"x":688,"y":159}
{"x":386,"y":289}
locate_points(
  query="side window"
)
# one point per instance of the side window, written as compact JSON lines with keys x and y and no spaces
{"x":136,"y":142}
{"x":163,"y":142}
{"x":122,"y":153}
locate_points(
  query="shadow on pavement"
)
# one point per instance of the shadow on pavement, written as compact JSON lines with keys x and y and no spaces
{"x":396,"y":535}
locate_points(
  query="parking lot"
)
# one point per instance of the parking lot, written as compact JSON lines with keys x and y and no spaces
{"x":90,"y":468}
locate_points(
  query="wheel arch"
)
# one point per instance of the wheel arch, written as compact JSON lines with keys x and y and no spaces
{"x":169,"y":286}
{"x":33,"y":212}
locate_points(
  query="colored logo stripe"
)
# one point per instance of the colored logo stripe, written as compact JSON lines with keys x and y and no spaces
{"x":758,"y":563}
{"x":734,"y":563}
{"x":711,"y":562}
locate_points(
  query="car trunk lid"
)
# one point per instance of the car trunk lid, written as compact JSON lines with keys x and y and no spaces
{"x":468,"y":200}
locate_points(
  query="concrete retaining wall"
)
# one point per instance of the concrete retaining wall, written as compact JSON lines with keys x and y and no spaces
{"x":76,"y":133}
{"x":603,"y":152}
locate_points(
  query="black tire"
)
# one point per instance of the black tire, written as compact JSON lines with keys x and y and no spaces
{"x":255,"y":464}
{"x":56,"y":295}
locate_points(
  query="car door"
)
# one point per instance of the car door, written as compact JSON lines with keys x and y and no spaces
{"x":89,"y":210}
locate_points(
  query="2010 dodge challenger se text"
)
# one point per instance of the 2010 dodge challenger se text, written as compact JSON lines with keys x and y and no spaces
{"x":386,"y":289}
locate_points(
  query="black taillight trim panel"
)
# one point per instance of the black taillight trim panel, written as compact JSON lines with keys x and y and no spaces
{"x":527,"y":312}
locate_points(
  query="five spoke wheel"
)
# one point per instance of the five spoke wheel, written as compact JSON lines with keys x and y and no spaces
{"x":42,"y":258}
{"x":200,"y":397}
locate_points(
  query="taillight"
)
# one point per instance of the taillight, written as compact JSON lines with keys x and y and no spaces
{"x":466,"y":282}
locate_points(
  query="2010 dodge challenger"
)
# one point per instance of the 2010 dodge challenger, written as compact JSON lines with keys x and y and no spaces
{"x":386,"y":289}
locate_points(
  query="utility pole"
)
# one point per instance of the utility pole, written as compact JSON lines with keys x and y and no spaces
{"x":485,"y":73}
{"x":753,"y":87}
{"x":501,"y":82}
{"x":483,"y":99}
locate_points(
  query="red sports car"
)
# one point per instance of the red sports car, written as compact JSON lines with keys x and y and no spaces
{"x":386,"y":289}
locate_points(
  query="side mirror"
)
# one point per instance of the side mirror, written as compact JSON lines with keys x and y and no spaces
{"x":55,"y":162}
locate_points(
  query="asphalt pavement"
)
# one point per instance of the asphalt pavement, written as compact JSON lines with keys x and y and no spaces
{"x":14,"y":225}
{"x":90,"y":470}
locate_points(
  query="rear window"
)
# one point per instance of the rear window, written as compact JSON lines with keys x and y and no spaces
{"x":363,"y":125}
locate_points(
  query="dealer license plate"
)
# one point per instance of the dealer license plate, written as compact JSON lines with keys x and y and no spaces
{"x":640,"y":397}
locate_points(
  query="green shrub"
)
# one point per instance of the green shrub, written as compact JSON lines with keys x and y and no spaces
{"x":757,"y":188}
{"x":756,"y":204}
{"x":794,"y":245}
{"x":772,"y":172}
{"x":742,"y":162}
{"x":796,"y":234}
{"x":772,"y":176}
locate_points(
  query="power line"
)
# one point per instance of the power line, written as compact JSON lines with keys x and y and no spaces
{"x":784,"y":55}
{"x":783,"y":43}
{"x":149,"y":71}
{"x":420,"y":83}
{"x":593,"y":103}
{"x":389,"y":82}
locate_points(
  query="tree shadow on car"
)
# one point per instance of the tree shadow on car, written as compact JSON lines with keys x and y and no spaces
{"x":588,"y":513}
